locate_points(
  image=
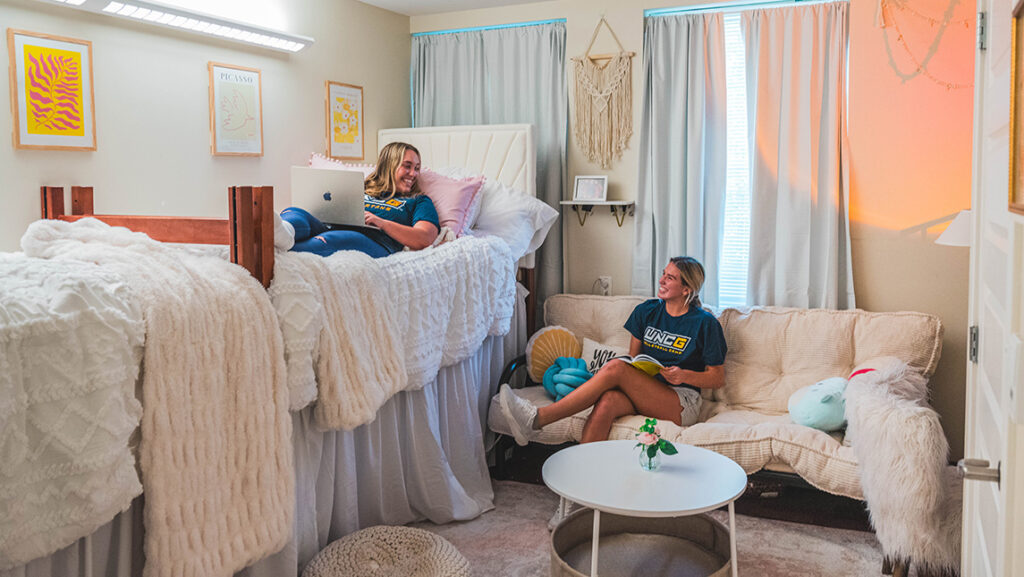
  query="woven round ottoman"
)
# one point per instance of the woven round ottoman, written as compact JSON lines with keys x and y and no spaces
{"x":389,"y":551}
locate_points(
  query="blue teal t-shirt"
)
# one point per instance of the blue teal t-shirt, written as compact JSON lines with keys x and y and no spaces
{"x":693,"y":341}
{"x":407,"y":210}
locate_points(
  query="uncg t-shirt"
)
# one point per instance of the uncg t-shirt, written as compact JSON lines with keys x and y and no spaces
{"x":693,"y":341}
{"x":407,"y":210}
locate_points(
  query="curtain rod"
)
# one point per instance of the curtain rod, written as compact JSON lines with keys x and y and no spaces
{"x":729,"y":6}
{"x":494,"y":27}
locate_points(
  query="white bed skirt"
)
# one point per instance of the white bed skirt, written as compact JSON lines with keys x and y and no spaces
{"x":423,"y":457}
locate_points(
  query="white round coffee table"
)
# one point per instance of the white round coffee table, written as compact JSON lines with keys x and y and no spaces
{"x":606,"y":476}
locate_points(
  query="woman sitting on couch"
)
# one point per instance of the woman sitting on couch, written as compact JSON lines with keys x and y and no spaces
{"x":673,"y":329}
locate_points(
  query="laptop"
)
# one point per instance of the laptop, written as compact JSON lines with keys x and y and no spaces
{"x":332,"y":196}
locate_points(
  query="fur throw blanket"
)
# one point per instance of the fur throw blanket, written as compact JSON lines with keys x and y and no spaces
{"x":216,"y":451}
{"x":365,"y":329}
{"x":913,"y":497}
{"x":70,"y":345}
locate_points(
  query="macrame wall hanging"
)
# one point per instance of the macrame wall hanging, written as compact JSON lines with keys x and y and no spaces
{"x":604,"y":101}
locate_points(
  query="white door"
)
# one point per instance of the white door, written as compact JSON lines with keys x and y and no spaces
{"x":993,"y":386}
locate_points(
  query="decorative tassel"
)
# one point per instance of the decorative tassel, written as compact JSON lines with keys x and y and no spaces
{"x":604,"y":107}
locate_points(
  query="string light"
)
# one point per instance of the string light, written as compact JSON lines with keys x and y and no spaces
{"x":921,"y":66}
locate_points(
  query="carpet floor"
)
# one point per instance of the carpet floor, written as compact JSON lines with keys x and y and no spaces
{"x":512,"y":540}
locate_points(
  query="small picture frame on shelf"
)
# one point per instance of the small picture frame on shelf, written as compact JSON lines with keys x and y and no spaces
{"x":590,"y":189}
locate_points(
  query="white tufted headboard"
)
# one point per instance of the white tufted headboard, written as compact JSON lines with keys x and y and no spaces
{"x":505,"y":153}
{"x":502,"y":152}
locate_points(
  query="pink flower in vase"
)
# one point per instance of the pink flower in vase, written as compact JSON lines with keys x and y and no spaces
{"x":647,"y":438}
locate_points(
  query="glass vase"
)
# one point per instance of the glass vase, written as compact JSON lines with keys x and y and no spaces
{"x":649,"y":463}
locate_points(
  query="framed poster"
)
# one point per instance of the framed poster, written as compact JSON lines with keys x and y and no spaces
{"x":344,"y":121}
{"x":1016,"y":201}
{"x":592,"y":188}
{"x":51,"y":91}
{"x":236,"y":110}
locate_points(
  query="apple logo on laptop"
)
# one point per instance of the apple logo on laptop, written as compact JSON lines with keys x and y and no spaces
{"x":327,"y":196}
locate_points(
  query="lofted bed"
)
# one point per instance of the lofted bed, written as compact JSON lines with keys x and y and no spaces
{"x":415,"y":449}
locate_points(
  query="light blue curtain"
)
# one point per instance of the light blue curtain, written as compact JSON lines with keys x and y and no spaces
{"x":497,"y":76}
{"x":799,"y":220}
{"x":680,"y":203}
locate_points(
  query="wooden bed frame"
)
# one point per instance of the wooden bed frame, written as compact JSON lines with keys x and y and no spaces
{"x":248,"y":230}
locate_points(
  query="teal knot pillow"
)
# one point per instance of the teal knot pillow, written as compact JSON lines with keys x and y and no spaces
{"x":564,"y":376}
{"x":821,"y":406}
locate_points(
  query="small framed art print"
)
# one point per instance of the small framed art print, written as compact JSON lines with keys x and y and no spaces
{"x":344,"y":121}
{"x":236,"y":110}
{"x":51,"y":91}
{"x":590,"y":188}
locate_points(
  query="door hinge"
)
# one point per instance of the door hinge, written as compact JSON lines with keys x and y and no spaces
{"x":982,"y":31}
{"x":972,"y":346}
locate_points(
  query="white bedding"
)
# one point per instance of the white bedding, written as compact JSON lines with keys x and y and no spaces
{"x":70,"y":344}
{"x":366,"y":329}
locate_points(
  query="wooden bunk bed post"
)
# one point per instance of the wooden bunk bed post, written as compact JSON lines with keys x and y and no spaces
{"x":81,"y":201}
{"x":252,"y":230}
{"x":51,"y":201}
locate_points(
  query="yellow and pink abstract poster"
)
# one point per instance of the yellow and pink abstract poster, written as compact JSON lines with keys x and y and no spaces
{"x":51,"y":82}
{"x":344,"y":121}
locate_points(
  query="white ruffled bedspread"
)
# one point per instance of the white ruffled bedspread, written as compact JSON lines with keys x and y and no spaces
{"x":366,"y":329}
{"x":216,"y":450}
{"x":70,"y":344}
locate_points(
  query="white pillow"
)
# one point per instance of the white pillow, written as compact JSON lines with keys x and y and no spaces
{"x":317,"y":160}
{"x":518,"y":218}
{"x":597,"y":354}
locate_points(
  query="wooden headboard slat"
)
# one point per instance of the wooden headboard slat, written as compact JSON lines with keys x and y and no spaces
{"x":166,"y":228}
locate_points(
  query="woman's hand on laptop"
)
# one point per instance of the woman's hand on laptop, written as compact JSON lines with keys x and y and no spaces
{"x":372,"y":219}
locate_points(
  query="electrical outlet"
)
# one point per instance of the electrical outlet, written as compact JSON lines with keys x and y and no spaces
{"x":605,"y":285}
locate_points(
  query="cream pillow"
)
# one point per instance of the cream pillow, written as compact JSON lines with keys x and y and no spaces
{"x":597,"y":354}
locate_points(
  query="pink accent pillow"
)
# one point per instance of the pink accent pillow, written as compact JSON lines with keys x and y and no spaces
{"x":452,"y":197}
{"x":317,"y":160}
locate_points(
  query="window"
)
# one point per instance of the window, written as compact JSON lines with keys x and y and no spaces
{"x":735,"y":254}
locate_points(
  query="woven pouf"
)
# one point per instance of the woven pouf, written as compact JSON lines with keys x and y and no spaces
{"x":389,"y":551}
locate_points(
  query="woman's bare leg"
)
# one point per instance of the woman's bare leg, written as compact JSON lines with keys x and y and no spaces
{"x":649,"y":396}
{"x":610,"y":406}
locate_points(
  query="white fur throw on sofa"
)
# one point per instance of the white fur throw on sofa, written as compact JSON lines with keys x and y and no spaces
{"x":913,"y":496}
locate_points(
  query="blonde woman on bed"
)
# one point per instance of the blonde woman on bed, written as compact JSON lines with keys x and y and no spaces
{"x":672,"y":328}
{"x":402,"y":217}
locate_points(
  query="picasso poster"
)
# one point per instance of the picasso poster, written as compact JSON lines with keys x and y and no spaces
{"x":51,"y":91}
{"x":236,"y":110}
{"x":344,"y":121}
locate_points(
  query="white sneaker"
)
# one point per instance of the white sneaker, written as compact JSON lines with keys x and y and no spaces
{"x":519,"y":413}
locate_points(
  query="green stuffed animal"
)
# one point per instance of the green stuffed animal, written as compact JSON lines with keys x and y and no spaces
{"x":821,"y":405}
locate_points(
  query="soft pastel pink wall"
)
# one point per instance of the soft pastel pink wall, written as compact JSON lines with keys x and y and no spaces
{"x":910,"y":165}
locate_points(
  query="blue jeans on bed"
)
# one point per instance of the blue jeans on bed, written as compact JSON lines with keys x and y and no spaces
{"x":313,"y":236}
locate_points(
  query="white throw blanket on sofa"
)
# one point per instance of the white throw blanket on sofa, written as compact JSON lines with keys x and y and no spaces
{"x":216,"y":452}
{"x":365,"y":329}
{"x":70,"y":345}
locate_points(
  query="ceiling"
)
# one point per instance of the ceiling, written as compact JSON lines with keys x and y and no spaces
{"x":421,"y":7}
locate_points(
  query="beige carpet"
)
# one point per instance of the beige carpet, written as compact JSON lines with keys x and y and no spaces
{"x":512,"y":541}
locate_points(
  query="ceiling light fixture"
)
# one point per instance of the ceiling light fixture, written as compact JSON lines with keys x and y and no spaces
{"x":182,"y":19}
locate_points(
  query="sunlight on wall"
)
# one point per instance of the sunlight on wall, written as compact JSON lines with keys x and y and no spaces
{"x":266,"y":13}
{"x":910,"y":132}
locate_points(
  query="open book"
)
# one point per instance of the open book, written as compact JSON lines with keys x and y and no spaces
{"x":645,"y":363}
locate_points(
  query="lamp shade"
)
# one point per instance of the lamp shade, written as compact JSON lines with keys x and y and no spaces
{"x":958,"y":233}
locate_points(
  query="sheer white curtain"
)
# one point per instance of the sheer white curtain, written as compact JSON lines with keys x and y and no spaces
{"x":799,"y":221}
{"x":681,"y":192}
{"x":498,"y":76}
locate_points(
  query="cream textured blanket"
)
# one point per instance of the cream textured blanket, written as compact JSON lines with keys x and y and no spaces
{"x":70,"y":345}
{"x":216,"y":452}
{"x":366,"y":329}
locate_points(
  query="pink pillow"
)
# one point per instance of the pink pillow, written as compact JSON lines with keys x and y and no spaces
{"x":317,"y":160}
{"x":451,"y":197}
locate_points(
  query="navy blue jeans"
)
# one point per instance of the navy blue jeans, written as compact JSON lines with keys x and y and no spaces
{"x":313,"y":236}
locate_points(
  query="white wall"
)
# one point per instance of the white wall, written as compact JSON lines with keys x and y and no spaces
{"x":152,"y":105}
{"x":910,"y":153}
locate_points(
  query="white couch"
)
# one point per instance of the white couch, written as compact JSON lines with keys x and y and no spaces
{"x":772,"y":352}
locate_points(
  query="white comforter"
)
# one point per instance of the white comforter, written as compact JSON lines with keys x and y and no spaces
{"x":70,"y":345}
{"x":366,"y":329}
{"x":216,"y":451}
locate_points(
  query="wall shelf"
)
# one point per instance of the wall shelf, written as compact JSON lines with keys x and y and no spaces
{"x":620,"y":208}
